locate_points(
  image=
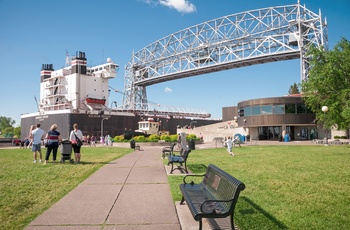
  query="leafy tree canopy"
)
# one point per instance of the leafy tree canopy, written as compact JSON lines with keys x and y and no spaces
{"x":6,"y":122}
{"x":329,"y":85}
{"x":6,"y":127}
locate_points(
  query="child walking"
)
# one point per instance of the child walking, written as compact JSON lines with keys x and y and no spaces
{"x":229,"y":144}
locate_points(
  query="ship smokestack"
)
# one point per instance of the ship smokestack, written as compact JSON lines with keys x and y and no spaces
{"x":79,"y":63}
{"x":46,"y":70}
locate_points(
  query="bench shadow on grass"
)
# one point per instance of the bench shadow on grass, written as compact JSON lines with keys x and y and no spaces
{"x":251,"y":213}
{"x":197,"y":168}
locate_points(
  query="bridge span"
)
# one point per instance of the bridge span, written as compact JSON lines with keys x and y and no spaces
{"x":247,"y":38}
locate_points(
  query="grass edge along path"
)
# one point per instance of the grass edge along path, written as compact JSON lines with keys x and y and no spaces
{"x":287,"y":187}
{"x":28,"y":189}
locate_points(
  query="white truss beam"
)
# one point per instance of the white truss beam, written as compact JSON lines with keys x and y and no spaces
{"x":233,"y":41}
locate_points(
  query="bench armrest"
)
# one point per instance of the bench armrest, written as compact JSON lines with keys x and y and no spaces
{"x":184,"y":179}
{"x":210,"y":206}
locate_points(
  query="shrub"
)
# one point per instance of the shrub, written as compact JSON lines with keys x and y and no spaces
{"x":191,"y":136}
{"x":140,"y":139}
{"x":173,"y":138}
{"x":340,"y":137}
{"x":153,"y":138}
{"x":118,"y":139}
{"x":165,"y":138}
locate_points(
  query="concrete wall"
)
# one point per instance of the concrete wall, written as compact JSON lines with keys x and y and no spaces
{"x":221,"y":129}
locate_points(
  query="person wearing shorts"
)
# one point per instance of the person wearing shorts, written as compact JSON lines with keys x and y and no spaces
{"x":76,"y":134}
{"x":37,"y":135}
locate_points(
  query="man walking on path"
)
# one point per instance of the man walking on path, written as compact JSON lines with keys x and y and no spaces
{"x":37,"y":135}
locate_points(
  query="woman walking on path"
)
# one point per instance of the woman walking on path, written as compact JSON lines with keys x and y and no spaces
{"x":52,"y":138}
{"x":76,"y":137}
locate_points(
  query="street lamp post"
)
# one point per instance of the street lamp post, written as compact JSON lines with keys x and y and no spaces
{"x":191,"y":123}
{"x":102,"y":125}
{"x":115,"y":104}
{"x":325,"y":110}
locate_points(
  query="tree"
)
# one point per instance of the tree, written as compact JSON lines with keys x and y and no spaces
{"x":6,"y":122}
{"x":17,"y":131}
{"x":294,"y":89}
{"x":329,"y":85}
{"x":8,"y":132}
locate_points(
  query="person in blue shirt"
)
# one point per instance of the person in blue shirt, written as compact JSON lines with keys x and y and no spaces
{"x":53,"y":138}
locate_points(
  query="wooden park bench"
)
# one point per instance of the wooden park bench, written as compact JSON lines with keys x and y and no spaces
{"x":215,"y":197}
{"x":179,"y":160}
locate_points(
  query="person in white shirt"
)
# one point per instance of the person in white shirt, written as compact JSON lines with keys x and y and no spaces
{"x":229,"y":144}
{"x":76,"y":137}
{"x":37,"y":135}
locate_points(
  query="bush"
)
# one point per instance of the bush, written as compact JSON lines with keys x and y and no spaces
{"x":192,"y":136}
{"x":340,"y":137}
{"x":153,"y":138}
{"x":140,"y":139}
{"x":165,"y":138}
{"x":118,"y":139}
{"x":173,"y":138}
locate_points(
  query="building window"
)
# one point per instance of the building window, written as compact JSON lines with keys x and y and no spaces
{"x":247,"y":111}
{"x":301,"y":108}
{"x":241,"y":112}
{"x":278,"y":109}
{"x":256,"y":110}
{"x":290,"y":108}
{"x":266,"y":109}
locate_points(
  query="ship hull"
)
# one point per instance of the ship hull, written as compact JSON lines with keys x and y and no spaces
{"x":90,"y":124}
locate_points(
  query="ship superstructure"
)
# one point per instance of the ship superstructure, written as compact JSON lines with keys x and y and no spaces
{"x":77,"y":88}
{"x":79,"y":94}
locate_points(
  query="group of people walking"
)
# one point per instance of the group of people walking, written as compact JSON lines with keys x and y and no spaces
{"x":51,"y":140}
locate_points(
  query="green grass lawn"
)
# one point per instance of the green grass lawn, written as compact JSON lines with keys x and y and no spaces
{"x":287,"y":187}
{"x":28,"y":189}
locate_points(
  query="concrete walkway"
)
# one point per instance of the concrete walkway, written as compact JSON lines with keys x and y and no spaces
{"x":129,"y":193}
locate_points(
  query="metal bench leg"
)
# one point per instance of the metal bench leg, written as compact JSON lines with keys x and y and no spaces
{"x":182,"y":200}
{"x":200,"y":224}
{"x":232,"y":223}
{"x":186,"y":167}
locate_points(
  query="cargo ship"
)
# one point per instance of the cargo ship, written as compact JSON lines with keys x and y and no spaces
{"x":79,"y":94}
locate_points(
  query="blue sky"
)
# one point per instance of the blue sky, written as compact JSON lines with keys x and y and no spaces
{"x":39,"y":32}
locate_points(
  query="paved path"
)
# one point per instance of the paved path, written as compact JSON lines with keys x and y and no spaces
{"x":129,"y":193}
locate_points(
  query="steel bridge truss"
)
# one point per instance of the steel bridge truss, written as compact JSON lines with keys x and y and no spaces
{"x":233,"y":41}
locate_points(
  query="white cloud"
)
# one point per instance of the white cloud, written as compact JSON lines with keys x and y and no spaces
{"x":168,"y":90}
{"x":183,"y":6}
